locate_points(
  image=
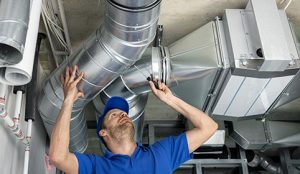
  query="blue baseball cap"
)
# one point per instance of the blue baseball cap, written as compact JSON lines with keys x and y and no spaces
{"x":112,"y":103}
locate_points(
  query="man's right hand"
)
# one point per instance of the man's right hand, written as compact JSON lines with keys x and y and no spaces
{"x":163,"y":92}
{"x":69,"y":83}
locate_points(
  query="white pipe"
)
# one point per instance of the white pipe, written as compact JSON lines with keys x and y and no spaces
{"x":27,"y":148}
{"x":18,"y":107}
{"x":11,"y":124}
{"x":7,"y":120}
{"x":64,"y":24}
{"x":3,"y":90}
{"x":21,"y":73}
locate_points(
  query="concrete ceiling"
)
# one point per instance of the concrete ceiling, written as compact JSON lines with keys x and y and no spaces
{"x":179,"y":17}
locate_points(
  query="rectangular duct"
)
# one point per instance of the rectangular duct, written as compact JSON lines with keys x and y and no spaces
{"x":259,"y":71}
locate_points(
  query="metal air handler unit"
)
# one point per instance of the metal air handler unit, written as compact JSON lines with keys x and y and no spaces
{"x":251,"y":61}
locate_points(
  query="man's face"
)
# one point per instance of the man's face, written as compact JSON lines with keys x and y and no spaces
{"x":118,"y":125}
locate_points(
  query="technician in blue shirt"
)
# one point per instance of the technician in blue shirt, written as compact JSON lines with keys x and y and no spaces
{"x":114,"y":127}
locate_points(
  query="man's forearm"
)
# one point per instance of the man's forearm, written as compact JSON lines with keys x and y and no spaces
{"x":59,"y":145}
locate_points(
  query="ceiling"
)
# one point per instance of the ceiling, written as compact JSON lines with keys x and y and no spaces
{"x":179,"y":17}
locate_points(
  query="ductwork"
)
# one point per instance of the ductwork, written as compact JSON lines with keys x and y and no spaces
{"x":196,"y":56}
{"x":174,"y":65}
{"x":127,"y":31}
{"x":227,"y":72}
{"x":14,"y":17}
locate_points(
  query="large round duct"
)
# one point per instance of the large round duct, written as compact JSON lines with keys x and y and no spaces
{"x":113,"y":48}
{"x":14,"y":17}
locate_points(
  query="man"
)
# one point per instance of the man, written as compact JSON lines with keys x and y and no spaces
{"x":116,"y":130}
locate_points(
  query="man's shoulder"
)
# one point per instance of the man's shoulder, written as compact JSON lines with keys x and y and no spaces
{"x":88,"y":157}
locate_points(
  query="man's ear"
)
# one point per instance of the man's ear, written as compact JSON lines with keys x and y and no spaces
{"x":102,"y":133}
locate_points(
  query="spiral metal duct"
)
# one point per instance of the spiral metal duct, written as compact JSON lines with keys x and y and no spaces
{"x":14,"y":17}
{"x":127,"y":31}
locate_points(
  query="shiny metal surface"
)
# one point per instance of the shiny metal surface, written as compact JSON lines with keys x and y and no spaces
{"x":195,"y":61}
{"x":134,"y":3}
{"x":14,"y":18}
{"x":136,"y":110}
{"x":249,"y":33}
{"x":284,"y":133}
{"x":291,"y":93}
{"x":133,"y":81}
{"x":254,"y":83}
{"x":244,"y":135}
{"x":260,"y":134}
{"x":112,"y":49}
{"x":187,"y":65}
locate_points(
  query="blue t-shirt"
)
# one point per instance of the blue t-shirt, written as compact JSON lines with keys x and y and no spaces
{"x":162,"y":157}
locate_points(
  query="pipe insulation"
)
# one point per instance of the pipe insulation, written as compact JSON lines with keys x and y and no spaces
{"x":31,"y":103}
{"x":116,"y":45}
{"x":14,"y":17}
{"x":32,"y":87}
{"x":21,"y":73}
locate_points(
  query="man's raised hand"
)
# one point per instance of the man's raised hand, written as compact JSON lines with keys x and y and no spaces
{"x":69,"y":83}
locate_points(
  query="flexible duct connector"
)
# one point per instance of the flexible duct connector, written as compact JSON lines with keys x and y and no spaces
{"x":264,"y":162}
{"x":14,"y":18}
{"x":114,"y":47}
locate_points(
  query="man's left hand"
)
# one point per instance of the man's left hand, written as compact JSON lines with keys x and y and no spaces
{"x":69,"y":83}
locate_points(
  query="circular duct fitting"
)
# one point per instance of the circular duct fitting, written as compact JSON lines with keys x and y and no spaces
{"x":134,"y":6}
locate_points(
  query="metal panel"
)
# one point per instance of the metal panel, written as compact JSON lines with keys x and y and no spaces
{"x":284,"y":133}
{"x":235,"y":35}
{"x":291,"y":41}
{"x":270,"y":29}
{"x":244,"y":135}
{"x":228,"y":94}
{"x":195,"y":61}
{"x":268,"y":95}
{"x":245,"y":96}
{"x":291,"y":93}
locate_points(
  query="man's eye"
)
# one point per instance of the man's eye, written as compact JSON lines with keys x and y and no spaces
{"x":113,"y":114}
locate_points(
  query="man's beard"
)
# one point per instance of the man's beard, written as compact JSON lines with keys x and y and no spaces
{"x":122,"y":132}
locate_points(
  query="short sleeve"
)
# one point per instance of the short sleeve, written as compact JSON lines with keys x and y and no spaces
{"x":86,"y":163}
{"x":176,"y":148}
